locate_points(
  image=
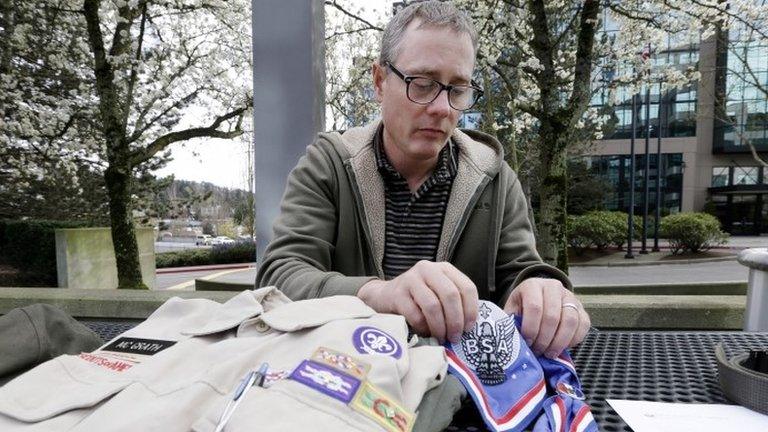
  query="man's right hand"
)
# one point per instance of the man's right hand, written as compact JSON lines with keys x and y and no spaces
{"x":435,"y":298}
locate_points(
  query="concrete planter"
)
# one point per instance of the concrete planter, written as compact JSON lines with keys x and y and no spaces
{"x":85,"y":258}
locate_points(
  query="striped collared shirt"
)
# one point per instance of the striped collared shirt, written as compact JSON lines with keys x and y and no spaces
{"x":414,"y":221}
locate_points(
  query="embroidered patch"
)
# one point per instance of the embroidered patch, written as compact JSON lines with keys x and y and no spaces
{"x":138,"y":346}
{"x":376,"y":405}
{"x":370,"y":340}
{"x":112,"y":364}
{"x":491,"y":346}
{"x":342,"y":362}
{"x":275,"y":375}
{"x":566,"y":389}
{"x":326,"y":379}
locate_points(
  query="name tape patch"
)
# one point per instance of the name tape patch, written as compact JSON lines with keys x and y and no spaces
{"x":138,"y":346}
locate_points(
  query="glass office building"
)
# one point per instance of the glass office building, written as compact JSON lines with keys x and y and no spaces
{"x":708,"y":130}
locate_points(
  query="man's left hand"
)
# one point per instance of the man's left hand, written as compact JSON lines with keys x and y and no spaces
{"x":553,"y":318}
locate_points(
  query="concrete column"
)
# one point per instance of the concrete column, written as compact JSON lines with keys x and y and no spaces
{"x":756,"y":313}
{"x":288,"y":97}
{"x":699,"y":167}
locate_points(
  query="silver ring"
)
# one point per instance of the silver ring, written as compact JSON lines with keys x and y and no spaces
{"x":571,"y":305}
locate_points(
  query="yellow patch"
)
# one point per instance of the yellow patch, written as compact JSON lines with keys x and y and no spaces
{"x":376,"y":405}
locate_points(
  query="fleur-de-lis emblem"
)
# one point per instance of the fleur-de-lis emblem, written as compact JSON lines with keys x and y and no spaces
{"x":370,"y":340}
{"x":377,"y":342}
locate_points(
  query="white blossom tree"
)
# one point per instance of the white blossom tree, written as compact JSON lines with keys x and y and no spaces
{"x":105,"y":85}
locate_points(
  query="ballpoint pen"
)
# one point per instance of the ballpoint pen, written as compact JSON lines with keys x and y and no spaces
{"x":252,"y":378}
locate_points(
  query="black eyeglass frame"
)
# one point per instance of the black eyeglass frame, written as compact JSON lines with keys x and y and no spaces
{"x":447,"y":87}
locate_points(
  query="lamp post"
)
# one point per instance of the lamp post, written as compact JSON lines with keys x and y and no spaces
{"x":644,"y":239}
{"x":631,"y":212}
{"x":662,"y":117}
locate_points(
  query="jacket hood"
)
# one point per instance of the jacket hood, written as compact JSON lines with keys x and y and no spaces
{"x":478,"y":149}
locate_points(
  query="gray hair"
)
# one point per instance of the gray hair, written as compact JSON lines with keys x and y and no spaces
{"x":431,"y":13}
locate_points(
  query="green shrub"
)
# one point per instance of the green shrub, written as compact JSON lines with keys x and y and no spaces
{"x":692,"y":231}
{"x":600,"y":229}
{"x":30,"y":247}
{"x":239,"y":252}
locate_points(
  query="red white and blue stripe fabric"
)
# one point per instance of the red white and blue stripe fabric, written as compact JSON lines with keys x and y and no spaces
{"x":565,"y":411}
{"x":530,"y":391}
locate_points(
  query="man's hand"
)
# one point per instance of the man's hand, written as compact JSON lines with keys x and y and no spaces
{"x":435,"y":298}
{"x":553,"y":318}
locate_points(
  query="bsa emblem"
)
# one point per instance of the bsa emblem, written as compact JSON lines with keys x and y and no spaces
{"x":491,"y":346}
{"x":566,"y":389}
{"x":370,"y":340}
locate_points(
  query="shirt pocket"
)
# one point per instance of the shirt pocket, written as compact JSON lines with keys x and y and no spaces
{"x":315,"y":313}
{"x":276,"y":408}
{"x":63,"y":384}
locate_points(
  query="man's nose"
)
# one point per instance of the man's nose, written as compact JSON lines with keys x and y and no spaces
{"x":440,"y":106}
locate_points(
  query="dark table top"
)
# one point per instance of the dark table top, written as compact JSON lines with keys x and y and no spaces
{"x":661,"y":366}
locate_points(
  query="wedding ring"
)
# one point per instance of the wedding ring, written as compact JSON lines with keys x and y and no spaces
{"x":571,"y":305}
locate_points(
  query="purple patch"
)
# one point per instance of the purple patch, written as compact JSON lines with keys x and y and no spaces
{"x":324,"y":379}
{"x":370,"y":340}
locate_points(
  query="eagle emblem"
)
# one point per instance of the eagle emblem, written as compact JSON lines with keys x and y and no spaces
{"x":491,"y":346}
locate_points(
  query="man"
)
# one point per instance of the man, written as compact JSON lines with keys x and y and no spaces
{"x":414,"y":216}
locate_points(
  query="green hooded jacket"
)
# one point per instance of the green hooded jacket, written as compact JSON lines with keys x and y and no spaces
{"x":329,"y":236}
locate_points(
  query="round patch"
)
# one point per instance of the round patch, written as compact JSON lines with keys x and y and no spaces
{"x":566,"y":389}
{"x":491,"y":346}
{"x":370,"y":340}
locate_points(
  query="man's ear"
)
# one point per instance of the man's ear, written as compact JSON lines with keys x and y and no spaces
{"x":379,"y":75}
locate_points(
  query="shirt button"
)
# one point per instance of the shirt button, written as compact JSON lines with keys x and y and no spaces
{"x":261,"y":326}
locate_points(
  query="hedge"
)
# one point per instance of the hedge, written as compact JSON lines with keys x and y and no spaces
{"x":30,"y":247}
{"x":600,"y":229}
{"x":239,"y":252}
{"x":694,"y":232}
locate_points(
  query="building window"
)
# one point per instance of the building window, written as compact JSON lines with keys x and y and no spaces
{"x":745,"y":121}
{"x":720,"y":176}
{"x":745,"y":175}
{"x":615,"y":169}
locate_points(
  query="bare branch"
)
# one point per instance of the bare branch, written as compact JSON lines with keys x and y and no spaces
{"x":335,"y":5}
{"x":142,"y":155}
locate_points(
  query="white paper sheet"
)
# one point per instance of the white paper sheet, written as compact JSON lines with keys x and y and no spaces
{"x":644,"y":416}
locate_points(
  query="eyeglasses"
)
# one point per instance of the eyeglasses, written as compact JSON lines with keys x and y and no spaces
{"x":423,"y":91}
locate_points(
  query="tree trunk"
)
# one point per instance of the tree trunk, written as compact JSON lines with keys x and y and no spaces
{"x":553,"y":215}
{"x":123,"y":232}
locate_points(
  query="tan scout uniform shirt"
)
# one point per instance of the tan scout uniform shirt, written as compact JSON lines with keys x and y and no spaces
{"x":178,"y":369}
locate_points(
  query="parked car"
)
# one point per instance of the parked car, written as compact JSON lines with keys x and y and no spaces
{"x":203,"y":240}
{"x":221,"y":240}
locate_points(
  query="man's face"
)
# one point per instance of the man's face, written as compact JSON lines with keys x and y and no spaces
{"x":416,"y":133}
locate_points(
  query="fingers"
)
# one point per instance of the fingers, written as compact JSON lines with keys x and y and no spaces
{"x":566,"y":329}
{"x":547,"y":326}
{"x":432,"y":310}
{"x":532,"y":302}
{"x":408,"y":308}
{"x":550,"y":318}
{"x":585,"y":323}
{"x":450,"y":300}
{"x":468,"y":293}
{"x":441,"y":301}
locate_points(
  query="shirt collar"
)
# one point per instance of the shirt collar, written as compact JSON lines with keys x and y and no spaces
{"x":447,"y":160}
